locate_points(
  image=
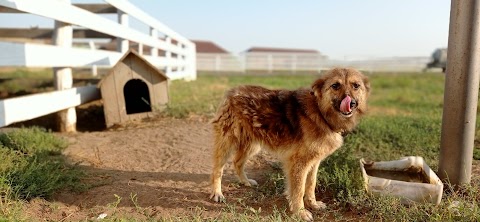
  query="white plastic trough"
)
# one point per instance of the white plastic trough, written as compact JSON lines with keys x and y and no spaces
{"x":383,"y":179}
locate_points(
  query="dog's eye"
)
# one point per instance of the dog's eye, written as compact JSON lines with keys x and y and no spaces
{"x":336,"y":86}
{"x":356,"y":85}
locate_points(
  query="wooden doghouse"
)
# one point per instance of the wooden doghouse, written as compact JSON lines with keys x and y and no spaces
{"x":132,"y":90}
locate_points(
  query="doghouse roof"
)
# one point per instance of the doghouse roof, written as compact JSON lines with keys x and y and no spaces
{"x":131,"y":53}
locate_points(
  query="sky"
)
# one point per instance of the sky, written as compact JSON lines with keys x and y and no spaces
{"x":341,"y":29}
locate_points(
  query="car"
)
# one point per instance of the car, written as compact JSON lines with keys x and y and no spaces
{"x":438,"y":59}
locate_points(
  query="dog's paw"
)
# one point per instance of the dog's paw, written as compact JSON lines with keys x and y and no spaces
{"x":305,"y":215}
{"x":249,"y":182}
{"x":315,"y":205}
{"x":217,"y":197}
{"x":252,"y":182}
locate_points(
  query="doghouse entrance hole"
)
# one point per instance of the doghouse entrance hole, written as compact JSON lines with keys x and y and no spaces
{"x":137,"y":97}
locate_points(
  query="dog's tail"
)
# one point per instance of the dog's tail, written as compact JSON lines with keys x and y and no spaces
{"x":224,"y":106}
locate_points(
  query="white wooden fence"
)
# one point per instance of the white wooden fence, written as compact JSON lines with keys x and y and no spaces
{"x":304,"y":62}
{"x":381,"y":64}
{"x":219,"y":62}
{"x":168,"y":51}
{"x":282,"y":61}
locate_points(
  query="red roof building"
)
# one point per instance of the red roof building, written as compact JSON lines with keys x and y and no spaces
{"x":208,"y":47}
{"x":281,"y":50}
{"x":212,"y":57}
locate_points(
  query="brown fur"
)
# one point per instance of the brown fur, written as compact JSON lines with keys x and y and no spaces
{"x":302,"y":127}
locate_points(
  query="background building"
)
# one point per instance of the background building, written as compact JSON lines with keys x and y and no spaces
{"x":211,"y":57}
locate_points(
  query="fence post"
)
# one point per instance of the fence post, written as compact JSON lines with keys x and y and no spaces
{"x":168,"y":56}
{"x":62,"y":76}
{"x":140,"y":48}
{"x":294,"y":63}
{"x":94,"y":67}
{"x":191,"y":58}
{"x":461,"y":93}
{"x":154,"y":34}
{"x":122,"y":44}
{"x":270,"y":63}
{"x":217,"y":62}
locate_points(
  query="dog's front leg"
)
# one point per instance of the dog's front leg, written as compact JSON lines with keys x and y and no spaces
{"x":297,"y":175}
{"x":311,"y":182}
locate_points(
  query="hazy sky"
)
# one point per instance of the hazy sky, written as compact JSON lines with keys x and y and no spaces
{"x":337,"y":28}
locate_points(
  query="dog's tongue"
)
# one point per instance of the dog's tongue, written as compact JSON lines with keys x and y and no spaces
{"x":345,"y":105}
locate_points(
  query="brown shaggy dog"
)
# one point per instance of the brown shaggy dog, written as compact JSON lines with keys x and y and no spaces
{"x":302,"y":127}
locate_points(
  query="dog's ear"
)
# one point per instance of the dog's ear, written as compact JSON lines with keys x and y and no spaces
{"x":366,"y":83}
{"x":318,"y":85}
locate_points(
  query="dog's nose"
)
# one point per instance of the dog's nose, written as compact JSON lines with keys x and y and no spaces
{"x":353,"y":103}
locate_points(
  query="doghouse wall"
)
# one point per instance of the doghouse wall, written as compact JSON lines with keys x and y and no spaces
{"x":132,"y":67}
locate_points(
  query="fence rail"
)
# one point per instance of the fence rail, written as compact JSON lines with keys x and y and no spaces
{"x":28,"y":107}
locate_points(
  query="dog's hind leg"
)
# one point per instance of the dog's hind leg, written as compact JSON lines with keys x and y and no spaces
{"x":244,"y":152}
{"x":222,"y":152}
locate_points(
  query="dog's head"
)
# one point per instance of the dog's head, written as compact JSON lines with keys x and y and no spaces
{"x":342,"y":95}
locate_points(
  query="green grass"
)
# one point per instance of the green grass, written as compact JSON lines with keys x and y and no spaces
{"x":22,"y":81}
{"x":32,"y":166}
{"x":19,"y":82}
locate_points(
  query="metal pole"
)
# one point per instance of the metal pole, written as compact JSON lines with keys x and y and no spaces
{"x":461,"y":93}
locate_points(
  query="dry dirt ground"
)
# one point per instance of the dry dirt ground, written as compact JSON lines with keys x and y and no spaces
{"x":153,"y":169}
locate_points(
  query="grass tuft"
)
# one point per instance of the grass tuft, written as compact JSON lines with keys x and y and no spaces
{"x":32,"y":165}
{"x":340,"y":176}
{"x":33,"y":141}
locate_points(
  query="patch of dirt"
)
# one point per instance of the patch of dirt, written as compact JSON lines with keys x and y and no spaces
{"x":156,"y":168}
